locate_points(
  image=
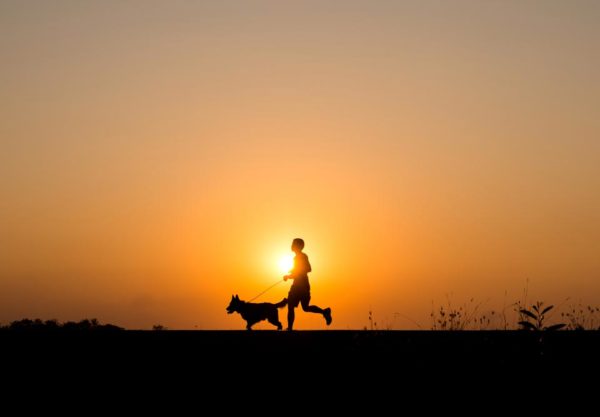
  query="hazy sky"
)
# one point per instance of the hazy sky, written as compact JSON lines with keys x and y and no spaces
{"x":158,"y":156}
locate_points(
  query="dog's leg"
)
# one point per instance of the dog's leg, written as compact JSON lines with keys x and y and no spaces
{"x":274,"y":320}
{"x":276,"y":323}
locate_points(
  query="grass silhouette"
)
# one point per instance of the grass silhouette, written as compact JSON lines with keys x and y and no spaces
{"x":581,"y":317}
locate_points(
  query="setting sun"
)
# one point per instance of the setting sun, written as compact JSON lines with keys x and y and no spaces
{"x":286,"y":262}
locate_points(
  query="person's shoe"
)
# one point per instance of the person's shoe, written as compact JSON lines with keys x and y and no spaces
{"x":289,"y":329}
{"x":327,"y":315}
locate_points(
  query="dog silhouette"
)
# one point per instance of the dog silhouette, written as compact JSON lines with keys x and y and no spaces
{"x":255,"y":312}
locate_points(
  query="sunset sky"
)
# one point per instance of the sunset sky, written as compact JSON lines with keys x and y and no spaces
{"x":158,"y":156}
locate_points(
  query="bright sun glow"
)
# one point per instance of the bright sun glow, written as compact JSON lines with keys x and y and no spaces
{"x":286,"y":263}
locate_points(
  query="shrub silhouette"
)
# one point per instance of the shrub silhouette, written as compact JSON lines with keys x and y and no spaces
{"x":535,"y":318}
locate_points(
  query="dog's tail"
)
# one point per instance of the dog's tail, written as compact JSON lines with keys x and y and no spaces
{"x":282,"y":303}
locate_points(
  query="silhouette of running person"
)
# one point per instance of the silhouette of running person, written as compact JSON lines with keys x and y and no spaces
{"x":300,"y":290}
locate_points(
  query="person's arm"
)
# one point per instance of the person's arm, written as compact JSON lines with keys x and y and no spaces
{"x":300,"y":268}
{"x":291,"y":275}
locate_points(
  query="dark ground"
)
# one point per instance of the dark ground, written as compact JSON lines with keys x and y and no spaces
{"x":301,"y":364}
{"x":418,"y":350}
{"x":299,"y":369}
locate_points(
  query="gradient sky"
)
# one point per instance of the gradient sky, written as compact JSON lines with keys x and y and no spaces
{"x":156,"y":157}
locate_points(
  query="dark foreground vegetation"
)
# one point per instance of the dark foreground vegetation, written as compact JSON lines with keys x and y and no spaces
{"x":45,"y":326}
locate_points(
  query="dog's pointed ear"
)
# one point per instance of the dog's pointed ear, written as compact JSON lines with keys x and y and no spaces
{"x":232,"y":297}
{"x":237,"y":297}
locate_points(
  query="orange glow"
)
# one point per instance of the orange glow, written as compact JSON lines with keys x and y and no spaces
{"x":286,"y":263}
{"x":156,"y":160}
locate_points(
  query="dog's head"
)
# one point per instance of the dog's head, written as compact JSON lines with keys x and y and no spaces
{"x":234,"y":305}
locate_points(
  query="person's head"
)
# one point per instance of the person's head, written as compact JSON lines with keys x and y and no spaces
{"x":297,"y":245}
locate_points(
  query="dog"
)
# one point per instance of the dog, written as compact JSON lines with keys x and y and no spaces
{"x":255,"y":312}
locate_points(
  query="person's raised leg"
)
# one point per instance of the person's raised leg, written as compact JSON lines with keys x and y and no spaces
{"x":310,"y":309}
{"x":314,"y":309}
{"x":327,"y":315}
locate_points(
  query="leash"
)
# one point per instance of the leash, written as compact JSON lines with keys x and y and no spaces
{"x":272,"y":286}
